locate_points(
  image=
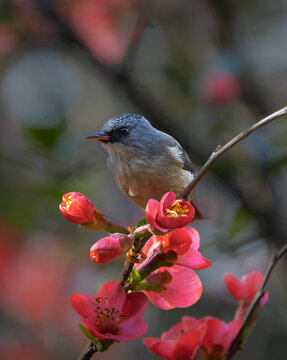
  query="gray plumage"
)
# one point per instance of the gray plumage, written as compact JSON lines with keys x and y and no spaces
{"x":145,"y":162}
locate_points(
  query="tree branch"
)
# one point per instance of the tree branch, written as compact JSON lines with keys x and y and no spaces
{"x":88,"y":351}
{"x":220,"y":150}
{"x":237,"y":342}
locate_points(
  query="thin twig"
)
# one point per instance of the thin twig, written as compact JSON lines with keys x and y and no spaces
{"x":129,"y":265}
{"x":220,"y":150}
{"x":237,"y":342}
{"x":88,"y":351}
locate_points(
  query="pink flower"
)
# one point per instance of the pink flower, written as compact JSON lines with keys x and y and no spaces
{"x":184,"y":242}
{"x":182,"y":288}
{"x":111,"y":313}
{"x":221,"y":87}
{"x":218,"y":337}
{"x":181,"y":342}
{"x":169,"y":213}
{"x":76,"y":208}
{"x":110,"y":247}
{"x":245,"y":290}
{"x":179,"y":248}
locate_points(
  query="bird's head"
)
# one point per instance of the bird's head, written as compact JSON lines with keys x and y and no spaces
{"x":126,"y":133}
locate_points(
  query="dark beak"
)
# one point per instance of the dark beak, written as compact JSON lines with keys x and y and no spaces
{"x":99,"y":136}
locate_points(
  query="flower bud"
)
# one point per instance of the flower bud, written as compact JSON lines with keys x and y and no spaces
{"x":110,"y":247}
{"x":76,"y":208}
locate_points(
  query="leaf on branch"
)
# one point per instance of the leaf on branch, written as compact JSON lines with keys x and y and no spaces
{"x":142,"y":222}
{"x":88,"y":335}
{"x":135,"y":277}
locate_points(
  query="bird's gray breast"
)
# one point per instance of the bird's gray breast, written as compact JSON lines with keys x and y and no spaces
{"x":145,"y":176}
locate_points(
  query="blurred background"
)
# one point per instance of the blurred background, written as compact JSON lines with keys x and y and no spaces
{"x":200,"y":70}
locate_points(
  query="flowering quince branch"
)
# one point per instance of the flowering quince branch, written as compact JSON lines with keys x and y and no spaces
{"x":164,"y":252}
{"x":220,"y":150}
{"x":251,"y":314}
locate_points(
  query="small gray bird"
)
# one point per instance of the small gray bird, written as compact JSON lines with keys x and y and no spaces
{"x":145,"y":162}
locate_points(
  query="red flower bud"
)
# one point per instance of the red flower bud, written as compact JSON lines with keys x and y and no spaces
{"x":76,"y":208}
{"x":110,"y":247}
{"x":169,"y":213}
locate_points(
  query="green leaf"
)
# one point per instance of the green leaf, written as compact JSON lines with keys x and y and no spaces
{"x":88,"y":335}
{"x":142,"y":222}
{"x":135,"y":277}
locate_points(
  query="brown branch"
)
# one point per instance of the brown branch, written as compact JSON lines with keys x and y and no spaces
{"x":237,"y":342}
{"x":139,"y":244}
{"x":88,"y":351}
{"x":220,"y":150}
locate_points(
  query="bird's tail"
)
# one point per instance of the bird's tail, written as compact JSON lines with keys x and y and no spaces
{"x":198,"y":213}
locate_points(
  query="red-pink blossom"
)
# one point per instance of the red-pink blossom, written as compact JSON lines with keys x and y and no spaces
{"x":245,"y":290}
{"x":218,"y":337}
{"x":76,"y":208}
{"x":111,"y":313}
{"x":110,"y":247}
{"x":181,"y":342}
{"x":169,"y":213}
{"x":184,"y":242}
{"x":182,"y":289}
{"x":184,"y":340}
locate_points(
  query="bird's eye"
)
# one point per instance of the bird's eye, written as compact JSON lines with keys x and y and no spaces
{"x":124,"y":131}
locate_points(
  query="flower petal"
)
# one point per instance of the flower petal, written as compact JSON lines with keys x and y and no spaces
{"x":83,"y":304}
{"x":134,"y":305}
{"x":173,"y":222}
{"x":184,"y":289}
{"x":106,"y":249}
{"x":162,"y":348}
{"x":178,"y":240}
{"x":151,"y":214}
{"x":252,"y":282}
{"x":131,"y":329}
{"x":193,"y":233}
{"x":193,"y":259}
{"x":187,"y":345}
{"x":220,"y":333}
{"x":235,"y":286}
{"x":114,"y":293}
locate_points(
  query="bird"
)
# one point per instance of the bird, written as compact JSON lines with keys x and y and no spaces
{"x":145,"y":162}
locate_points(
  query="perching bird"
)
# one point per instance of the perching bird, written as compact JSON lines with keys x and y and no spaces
{"x":145,"y":162}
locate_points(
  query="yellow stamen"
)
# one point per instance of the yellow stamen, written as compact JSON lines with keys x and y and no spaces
{"x":68,"y":201}
{"x":177,"y":208}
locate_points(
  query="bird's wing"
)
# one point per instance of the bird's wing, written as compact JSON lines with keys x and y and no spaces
{"x":180,"y":155}
{"x":187,"y":164}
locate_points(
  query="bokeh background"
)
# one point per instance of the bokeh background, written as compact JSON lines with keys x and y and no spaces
{"x":200,"y":70}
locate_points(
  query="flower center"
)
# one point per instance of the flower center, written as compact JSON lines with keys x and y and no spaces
{"x":67,"y":202}
{"x":177,"y":208}
{"x":94,"y":255}
{"x":107,"y":318}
